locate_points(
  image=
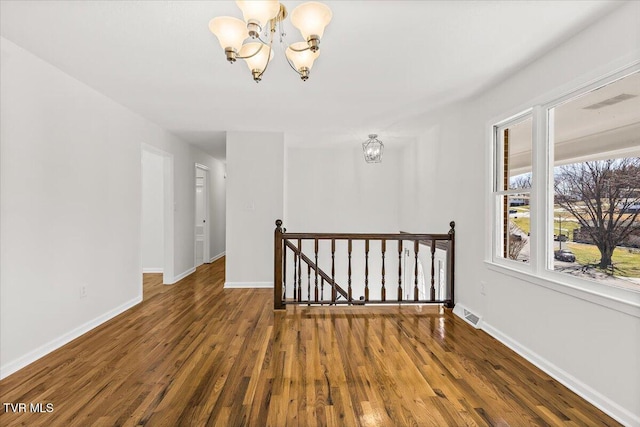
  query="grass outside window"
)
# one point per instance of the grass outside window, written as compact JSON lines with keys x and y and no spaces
{"x":626,"y":261}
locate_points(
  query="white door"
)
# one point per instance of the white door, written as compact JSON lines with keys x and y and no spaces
{"x":202,"y":214}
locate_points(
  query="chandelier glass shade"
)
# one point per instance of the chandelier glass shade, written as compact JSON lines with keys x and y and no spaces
{"x":373,"y":149}
{"x":301,"y":58}
{"x":257,"y":57}
{"x":258,"y":12}
{"x":247,"y":39}
{"x":231,"y":32}
{"x":311,"y":18}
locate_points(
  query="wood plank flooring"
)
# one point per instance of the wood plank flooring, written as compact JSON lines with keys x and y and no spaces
{"x":195,"y":354}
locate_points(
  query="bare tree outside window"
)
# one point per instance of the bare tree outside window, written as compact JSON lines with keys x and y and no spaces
{"x":517,"y":241}
{"x":522,"y":181}
{"x":604,"y":196}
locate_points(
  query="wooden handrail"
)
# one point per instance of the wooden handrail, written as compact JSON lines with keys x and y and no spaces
{"x":314,"y":267}
{"x":443,"y":245}
{"x":283,"y":242}
{"x":369,"y":236}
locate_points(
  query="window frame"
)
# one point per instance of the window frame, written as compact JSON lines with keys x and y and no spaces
{"x":539,"y":270}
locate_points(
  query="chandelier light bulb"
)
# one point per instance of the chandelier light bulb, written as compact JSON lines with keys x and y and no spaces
{"x":231,"y":32}
{"x":311,"y":18}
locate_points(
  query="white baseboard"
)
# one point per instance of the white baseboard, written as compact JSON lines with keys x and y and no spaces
{"x":181,"y":276}
{"x":217,"y":257}
{"x":594,"y":397}
{"x":244,"y":285}
{"x":15,"y":365}
{"x":153,"y":270}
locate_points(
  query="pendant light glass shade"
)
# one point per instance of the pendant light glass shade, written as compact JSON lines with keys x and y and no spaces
{"x":300,"y":56}
{"x":258,"y":54}
{"x":259,"y":11}
{"x":231,"y":32}
{"x":373,"y":149}
{"x":311,"y":18}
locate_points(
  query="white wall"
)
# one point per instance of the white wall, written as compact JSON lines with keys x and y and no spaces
{"x":70,"y":204}
{"x":423,"y":184}
{"x":152,"y":212}
{"x":217,"y":208}
{"x":70,"y":195}
{"x":332,"y":189}
{"x":593,"y":348}
{"x":255,"y":164}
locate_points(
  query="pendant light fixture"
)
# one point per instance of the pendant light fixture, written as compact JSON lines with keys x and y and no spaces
{"x":372,"y":149}
{"x":261,"y":20}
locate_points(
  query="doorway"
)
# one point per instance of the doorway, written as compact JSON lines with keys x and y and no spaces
{"x":202,"y":246}
{"x":157,"y":213}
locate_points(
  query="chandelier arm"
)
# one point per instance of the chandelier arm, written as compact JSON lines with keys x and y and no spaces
{"x":284,"y":49}
{"x":292,"y":66}
{"x":253,"y":54}
{"x":298,"y":50}
{"x":268,"y":56}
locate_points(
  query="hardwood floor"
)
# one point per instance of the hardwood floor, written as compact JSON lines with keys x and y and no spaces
{"x":195,"y":354}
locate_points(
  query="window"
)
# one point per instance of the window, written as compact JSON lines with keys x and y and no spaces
{"x":512,"y":188}
{"x":595,"y":140}
{"x":566,"y":198}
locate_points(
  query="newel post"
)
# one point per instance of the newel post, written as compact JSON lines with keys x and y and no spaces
{"x":451,"y":264}
{"x":277,"y":268}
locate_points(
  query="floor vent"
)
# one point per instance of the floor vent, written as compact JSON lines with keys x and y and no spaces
{"x":468,"y":316}
{"x":471,"y":318}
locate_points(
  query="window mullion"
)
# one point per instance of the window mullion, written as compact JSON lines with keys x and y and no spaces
{"x":536,"y":202}
{"x":546,"y":211}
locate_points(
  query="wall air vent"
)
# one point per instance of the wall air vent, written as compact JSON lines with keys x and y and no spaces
{"x":610,"y":101}
{"x":472,"y":318}
{"x":468,"y":316}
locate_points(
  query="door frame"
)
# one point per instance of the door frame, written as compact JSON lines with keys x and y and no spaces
{"x":168,"y":211}
{"x":206,"y":256}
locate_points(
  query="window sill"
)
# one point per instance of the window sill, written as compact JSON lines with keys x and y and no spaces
{"x":618,"y":299}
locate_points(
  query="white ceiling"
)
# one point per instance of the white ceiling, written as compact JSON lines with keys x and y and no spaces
{"x":380,"y":60}
{"x":578,"y":121}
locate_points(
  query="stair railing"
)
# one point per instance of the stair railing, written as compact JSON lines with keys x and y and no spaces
{"x":306,"y":269}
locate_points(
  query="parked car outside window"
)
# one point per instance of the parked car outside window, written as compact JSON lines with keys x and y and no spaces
{"x":564,"y":255}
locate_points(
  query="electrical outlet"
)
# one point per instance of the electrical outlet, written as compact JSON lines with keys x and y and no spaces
{"x":406,"y":252}
{"x":83,"y":291}
{"x":483,"y":288}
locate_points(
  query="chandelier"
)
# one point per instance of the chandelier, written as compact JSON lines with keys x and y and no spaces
{"x":261,"y":20}
{"x":373,"y":148}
